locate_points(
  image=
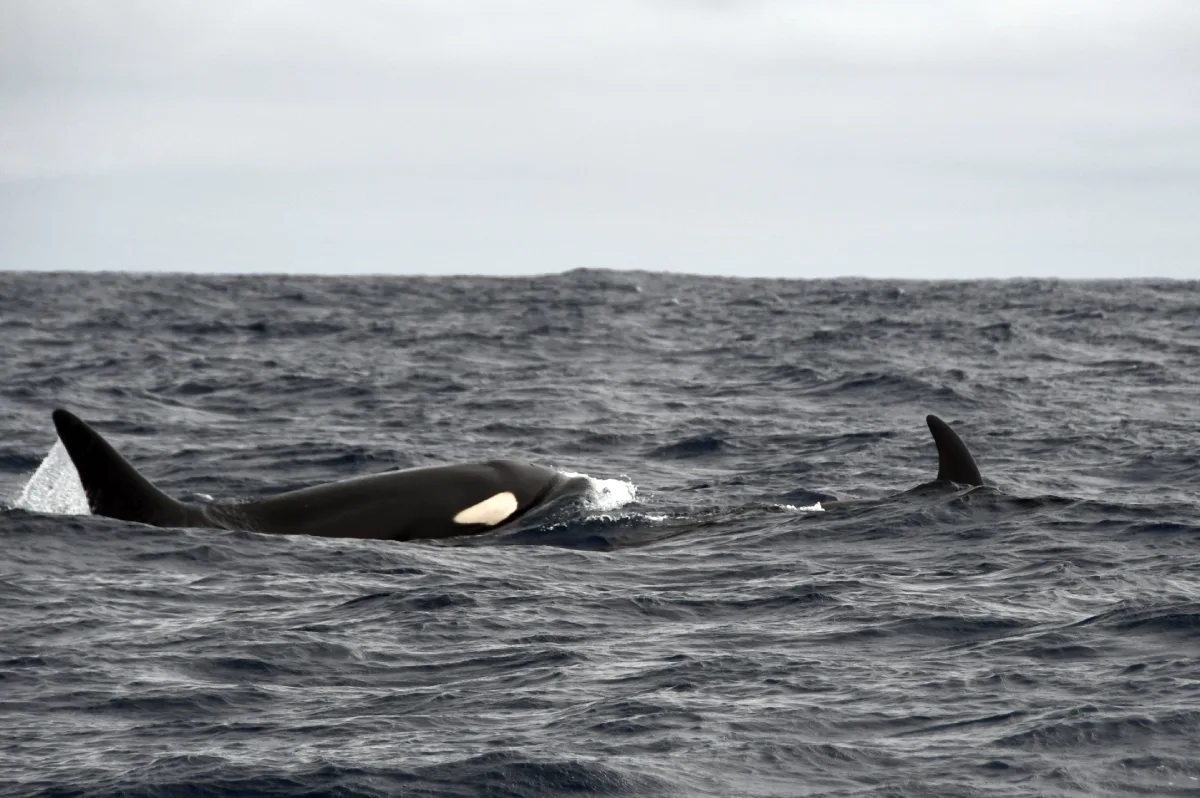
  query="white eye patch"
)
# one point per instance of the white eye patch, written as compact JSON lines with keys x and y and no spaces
{"x":489,"y":512}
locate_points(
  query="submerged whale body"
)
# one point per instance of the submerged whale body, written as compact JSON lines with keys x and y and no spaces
{"x":419,"y":503}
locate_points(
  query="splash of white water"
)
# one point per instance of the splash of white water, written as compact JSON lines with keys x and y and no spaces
{"x":812,"y":508}
{"x":55,"y":487}
{"x":607,"y":494}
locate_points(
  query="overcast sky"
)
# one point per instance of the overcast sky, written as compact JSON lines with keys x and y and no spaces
{"x":774,"y":138}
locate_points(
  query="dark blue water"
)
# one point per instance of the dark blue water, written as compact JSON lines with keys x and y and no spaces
{"x":707,"y":634}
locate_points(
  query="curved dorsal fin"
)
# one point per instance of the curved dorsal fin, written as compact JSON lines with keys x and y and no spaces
{"x":114,"y":488}
{"x":955,"y":462}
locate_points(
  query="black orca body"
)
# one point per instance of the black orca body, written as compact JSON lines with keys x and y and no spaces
{"x":420,"y":503}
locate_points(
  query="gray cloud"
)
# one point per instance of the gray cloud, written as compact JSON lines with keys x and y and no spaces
{"x":797,"y":139}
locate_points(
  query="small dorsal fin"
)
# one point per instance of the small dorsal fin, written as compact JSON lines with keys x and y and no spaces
{"x":955,"y":462}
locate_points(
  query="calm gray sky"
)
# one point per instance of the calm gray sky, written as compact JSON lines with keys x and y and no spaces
{"x":770,"y":137}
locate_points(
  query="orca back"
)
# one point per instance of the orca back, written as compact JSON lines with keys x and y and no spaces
{"x":434,"y":502}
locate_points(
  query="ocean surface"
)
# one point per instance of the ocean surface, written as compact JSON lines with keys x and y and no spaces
{"x":701,"y":625}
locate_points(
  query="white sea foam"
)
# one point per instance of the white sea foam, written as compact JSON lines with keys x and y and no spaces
{"x":812,"y":508}
{"x":55,"y":487}
{"x":607,"y":494}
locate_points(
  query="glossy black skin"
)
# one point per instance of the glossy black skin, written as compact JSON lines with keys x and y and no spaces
{"x":956,"y":467}
{"x":419,"y":503}
{"x":955,"y":463}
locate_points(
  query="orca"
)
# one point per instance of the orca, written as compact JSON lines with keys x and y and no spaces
{"x":419,"y":503}
{"x":956,"y":466}
{"x":955,"y":463}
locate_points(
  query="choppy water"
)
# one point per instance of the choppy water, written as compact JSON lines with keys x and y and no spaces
{"x":697,"y":630}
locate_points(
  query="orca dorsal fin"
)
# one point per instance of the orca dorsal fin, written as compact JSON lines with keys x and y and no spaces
{"x":114,"y":488}
{"x":955,"y":462}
